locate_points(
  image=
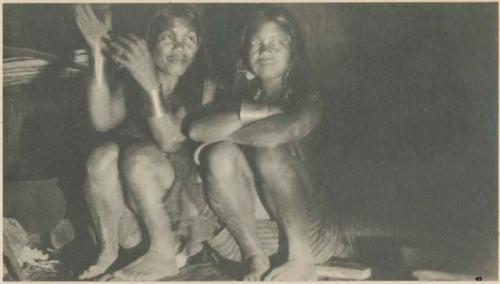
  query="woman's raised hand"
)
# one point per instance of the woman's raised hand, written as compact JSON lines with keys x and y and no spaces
{"x":133,"y":53}
{"x":92,"y":28}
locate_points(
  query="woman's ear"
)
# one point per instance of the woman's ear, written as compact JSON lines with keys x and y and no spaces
{"x":290,"y":67}
{"x":242,"y":70}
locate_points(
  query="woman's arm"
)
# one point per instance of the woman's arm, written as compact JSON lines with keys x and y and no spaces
{"x":282,"y":128}
{"x":106,"y":107}
{"x":212,"y":124}
{"x":167,"y":129}
{"x":215,"y":122}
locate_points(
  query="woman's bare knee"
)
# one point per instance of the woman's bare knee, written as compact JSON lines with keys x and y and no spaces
{"x":102,"y":160}
{"x":146,"y":163}
{"x":221,"y":159}
{"x":273,"y":162}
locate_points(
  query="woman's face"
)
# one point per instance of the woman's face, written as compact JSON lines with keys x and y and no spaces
{"x":269,"y":51}
{"x":175,"y":47}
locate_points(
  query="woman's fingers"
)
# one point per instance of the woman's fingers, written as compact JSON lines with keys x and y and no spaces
{"x":89,"y":13}
{"x":84,"y":16}
{"x":120,"y":47}
{"x":134,"y":38}
{"x":90,"y":21}
{"x":120,"y":52}
{"x":80,"y":16}
{"x":78,"y":19}
{"x":140,"y":43}
{"x":120,"y":59}
{"x":133,"y":45}
{"x":126,"y":51}
{"x":83,"y":24}
{"x":126,"y":43}
{"x":108,"y":19}
{"x":86,"y":24}
{"x":77,"y":10}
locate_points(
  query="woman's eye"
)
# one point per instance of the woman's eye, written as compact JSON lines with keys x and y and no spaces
{"x":191,"y":39}
{"x":255,"y":42}
{"x":275,"y":45}
{"x":284,"y":43}
{"x":167,"y":37}
{"x":255,"y":45}
{"x":279,"y":44}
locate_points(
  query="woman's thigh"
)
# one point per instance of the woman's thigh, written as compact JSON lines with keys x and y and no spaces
{"x":144,"y":169}
{"x":145,"y":165}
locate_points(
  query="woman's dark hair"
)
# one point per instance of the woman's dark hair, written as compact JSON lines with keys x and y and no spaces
{"x":189,"y":89}
{"x":300,"y":74}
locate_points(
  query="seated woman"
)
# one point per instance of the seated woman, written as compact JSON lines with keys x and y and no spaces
{"x":258,"y":146}
{"x":139,"y":92}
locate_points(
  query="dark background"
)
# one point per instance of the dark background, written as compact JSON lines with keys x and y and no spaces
{"x":411,"y":99}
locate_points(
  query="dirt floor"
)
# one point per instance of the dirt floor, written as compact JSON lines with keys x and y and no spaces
{"x":388,"y":260}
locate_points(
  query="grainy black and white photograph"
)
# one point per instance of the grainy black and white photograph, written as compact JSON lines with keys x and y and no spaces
{"x":250,"y":141}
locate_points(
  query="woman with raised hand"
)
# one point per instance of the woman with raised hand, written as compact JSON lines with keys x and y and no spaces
{"x":139,"y":91}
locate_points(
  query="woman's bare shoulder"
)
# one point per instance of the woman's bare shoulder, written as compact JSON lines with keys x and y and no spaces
{"x":210,"y":87}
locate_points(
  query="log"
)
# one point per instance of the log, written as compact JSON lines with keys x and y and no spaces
{"x":15,"y":239}
{"x":38,"y":205}
{"x":62,"y":234}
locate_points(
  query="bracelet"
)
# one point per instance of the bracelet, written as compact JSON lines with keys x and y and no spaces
{"x":155,"y":90}
{"x":155,"y":103}
{"x":250,"y":112}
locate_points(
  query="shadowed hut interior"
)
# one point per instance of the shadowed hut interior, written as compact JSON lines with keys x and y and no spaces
{"x":410,"y":129}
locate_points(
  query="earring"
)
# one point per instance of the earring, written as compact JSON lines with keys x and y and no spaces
{"x":249,"y":75}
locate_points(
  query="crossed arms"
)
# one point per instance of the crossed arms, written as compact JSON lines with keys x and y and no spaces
{"x":270,"y":130}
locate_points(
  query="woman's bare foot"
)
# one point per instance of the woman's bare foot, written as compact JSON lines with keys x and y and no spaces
{"x":258,"y":265}
{"x":149,"y":267}
{"x":104,"y":261}
{"x":293,"y":271}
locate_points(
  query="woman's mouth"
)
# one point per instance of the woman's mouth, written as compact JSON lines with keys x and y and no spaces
{"x":264,"y":62}
{"x":176,"y":59}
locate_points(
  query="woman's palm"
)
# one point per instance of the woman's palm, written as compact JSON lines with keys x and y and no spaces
{"x":92,"y":28}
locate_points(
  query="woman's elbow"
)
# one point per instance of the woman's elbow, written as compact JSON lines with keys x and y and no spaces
{"x":166,"y":148}
{"x":105,"y":123}
{"x":168,"y":145}
{"x":195,"y":134}
{"x":102,"y":127}
{"x":301,"y":129}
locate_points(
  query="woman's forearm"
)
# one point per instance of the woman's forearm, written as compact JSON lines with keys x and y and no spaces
{"x":214,"y":124}
{"x":214,"y":127}
{"x":166,"y":132}
{"x":164,"y":124}
{"x":105,"y":110}
{"x":277,"y":130}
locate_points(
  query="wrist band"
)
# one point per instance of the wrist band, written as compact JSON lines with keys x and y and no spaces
{"x":155,"y":103}
{"x":250,"y":112}
{"x":155,"y":90}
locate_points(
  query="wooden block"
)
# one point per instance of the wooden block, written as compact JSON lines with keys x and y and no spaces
{"x":340,"y":269}
{"x":434,"y":275}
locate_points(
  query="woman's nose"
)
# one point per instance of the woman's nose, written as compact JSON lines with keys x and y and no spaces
{"x":178,"y":46}
{"x":265,"y":48}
